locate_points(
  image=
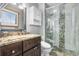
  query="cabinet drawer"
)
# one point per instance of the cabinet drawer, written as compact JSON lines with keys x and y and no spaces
{"x":12,"y":49}
{"x":28,"y":44}
{"x":37,"y":41}
{"x":36,"y":51}
{"x":29,"y":53}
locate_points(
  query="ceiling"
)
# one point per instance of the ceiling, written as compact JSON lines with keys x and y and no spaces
{"x":51,"y":4}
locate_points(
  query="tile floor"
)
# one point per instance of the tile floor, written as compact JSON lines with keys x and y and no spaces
{"x":58,"y":52}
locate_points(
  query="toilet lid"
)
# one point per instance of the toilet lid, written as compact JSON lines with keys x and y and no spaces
{"x":45,"y":44}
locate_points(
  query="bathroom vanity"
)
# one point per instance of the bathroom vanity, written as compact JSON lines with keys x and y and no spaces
{"x":20,"y":45}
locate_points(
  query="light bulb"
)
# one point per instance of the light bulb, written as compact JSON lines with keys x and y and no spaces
{"x":21,"y":7}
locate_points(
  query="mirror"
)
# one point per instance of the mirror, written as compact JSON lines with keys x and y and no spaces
{"x":8,"y":17}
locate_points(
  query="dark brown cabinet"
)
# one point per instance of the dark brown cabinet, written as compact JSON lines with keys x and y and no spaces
{"x":12,"y":49}
{"x":30,"y":47}
{"x":29,"y":53}
{"x":36,"y":51}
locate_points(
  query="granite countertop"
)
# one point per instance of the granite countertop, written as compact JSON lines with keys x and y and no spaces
{"x":12,"y":39}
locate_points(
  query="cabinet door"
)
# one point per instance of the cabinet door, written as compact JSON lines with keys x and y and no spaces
{"x":37,"y":41}
{"x":36,"y":51}
{"x":28,"y":44}
{"x":29,"y":53}
{"x":35,"y":16}
{"x":14,"y":49}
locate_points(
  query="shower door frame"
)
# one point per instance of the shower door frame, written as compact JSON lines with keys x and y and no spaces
{"x":56,"y":43}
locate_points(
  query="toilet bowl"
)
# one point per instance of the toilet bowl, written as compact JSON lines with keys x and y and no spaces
{"x":45,"y":48}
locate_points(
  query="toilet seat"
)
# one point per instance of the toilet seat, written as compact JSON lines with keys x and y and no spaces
{"x":45,"y":44}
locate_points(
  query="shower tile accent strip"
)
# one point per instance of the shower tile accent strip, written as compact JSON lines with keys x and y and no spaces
{"x":62,"y":27}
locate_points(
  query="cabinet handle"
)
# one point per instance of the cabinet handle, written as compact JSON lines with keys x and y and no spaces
{"x":13,"y":51}
{"x":35,"y":48}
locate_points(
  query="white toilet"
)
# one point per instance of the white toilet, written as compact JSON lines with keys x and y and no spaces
{"x":45,"y":48}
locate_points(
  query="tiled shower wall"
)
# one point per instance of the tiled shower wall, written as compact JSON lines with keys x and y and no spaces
{"x":72,"y":27}
{"x":61,"y":26}
{"x":55,"y":33}
{"x":68,"y":27}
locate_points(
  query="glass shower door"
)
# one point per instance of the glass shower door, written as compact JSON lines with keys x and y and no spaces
{"x":52,"y":26}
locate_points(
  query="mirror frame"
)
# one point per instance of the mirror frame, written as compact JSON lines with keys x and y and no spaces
{"x":16,"y":22}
